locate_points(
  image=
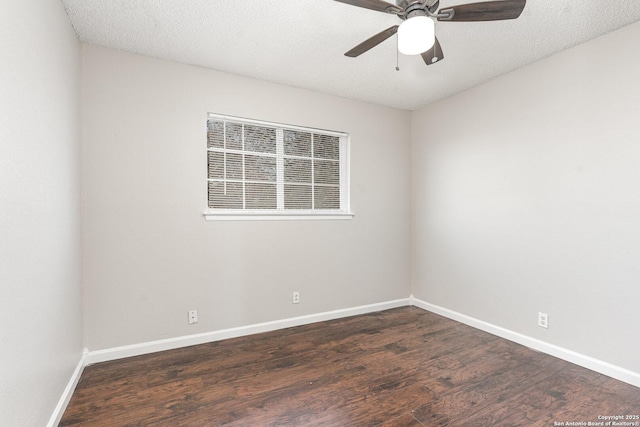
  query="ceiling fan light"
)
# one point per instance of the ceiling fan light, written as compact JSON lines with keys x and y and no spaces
{"x":416,"y":35}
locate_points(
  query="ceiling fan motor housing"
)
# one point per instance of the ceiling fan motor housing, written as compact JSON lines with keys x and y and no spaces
{"x":413,"y":8}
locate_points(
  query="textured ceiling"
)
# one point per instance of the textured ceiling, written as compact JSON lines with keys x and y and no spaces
{"x":301,"y":42}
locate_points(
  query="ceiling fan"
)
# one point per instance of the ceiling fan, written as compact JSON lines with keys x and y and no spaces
{"x":416,"y":34}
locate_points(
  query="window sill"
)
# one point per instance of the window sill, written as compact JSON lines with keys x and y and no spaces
{"x":271,"y":216}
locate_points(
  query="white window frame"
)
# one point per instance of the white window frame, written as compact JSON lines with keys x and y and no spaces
{"x":289,"y":214}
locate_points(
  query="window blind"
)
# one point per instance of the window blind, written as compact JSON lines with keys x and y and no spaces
{"x":258,"y":166}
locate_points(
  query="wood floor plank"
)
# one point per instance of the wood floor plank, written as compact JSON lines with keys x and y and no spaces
{"x":403,"y":367}
{"x":406,"y":420}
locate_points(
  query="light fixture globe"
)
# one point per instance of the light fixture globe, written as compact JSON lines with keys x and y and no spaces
{"x":416,"y":35}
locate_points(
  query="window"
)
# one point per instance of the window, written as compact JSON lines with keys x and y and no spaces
{"x":260,"y":170}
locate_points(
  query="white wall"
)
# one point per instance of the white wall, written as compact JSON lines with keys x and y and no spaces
{"x":149,"y":254}
{"x":40,"y":304}
{"x":526,"y":198}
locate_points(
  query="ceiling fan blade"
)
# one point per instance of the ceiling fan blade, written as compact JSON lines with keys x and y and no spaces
{"x":377,"y":5}
{"x":484,"y":11}
{"x":372,"y":42}
{"x":434,"y":54}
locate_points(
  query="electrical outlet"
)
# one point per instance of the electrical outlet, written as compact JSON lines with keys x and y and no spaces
{"x":543,"y":320}
{"x":296,"y":297}
{"x":193,"y":316}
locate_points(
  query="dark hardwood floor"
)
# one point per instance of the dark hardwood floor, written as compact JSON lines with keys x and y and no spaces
{"x":401,"y":367}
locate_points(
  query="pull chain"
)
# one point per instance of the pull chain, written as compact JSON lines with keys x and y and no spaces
{"x":397,"y":55}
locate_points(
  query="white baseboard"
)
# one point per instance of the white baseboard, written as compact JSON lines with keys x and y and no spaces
{"x":68,"y":391}
{"x":184,"y":341}
{"x":588,"y":362}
